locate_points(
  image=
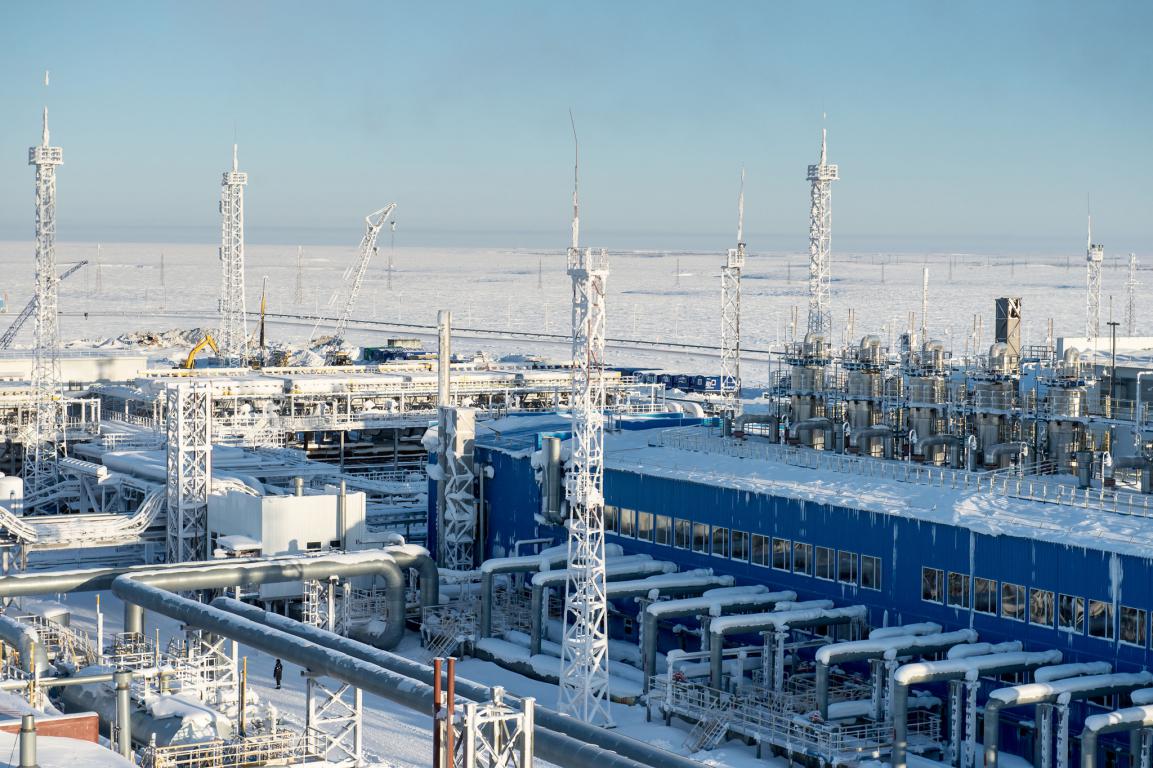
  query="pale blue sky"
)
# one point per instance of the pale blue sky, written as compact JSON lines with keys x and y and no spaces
{"x":957,"y":126}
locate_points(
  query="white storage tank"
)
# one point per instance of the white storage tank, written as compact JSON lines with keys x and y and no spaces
{"x":12,"y":493}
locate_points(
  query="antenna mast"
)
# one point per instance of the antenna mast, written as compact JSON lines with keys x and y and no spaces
{"x":1131,"y":297}
{"x":584,"y":676}
{"x":1094,"y":257}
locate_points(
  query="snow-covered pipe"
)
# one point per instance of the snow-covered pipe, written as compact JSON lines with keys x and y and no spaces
{"x":1117,"y":721}
{"x":994,"y":455}
{"x":952,"y":441}
{"x":1141,"y":697}
{"x":1048,"y":693}
{"x":557,"y":735}
{"x":1063,"y":671}
{"x":778,"y":621}
{"x":715,"y":602}
{"x":685,"y":584}
{"x":920,"y":628}
{"x":809,"y":425}
{"x":621,"y":568}
{"x":553,"y":478}
{"x":923,"y":673}
{"x":771,"y":419}
{"x":545,"y":560}
{"x":26,"y":640}
{"x":864,"y":436}
{"x":983,"y":649}
{"x":93,"y":579}
{"x":389,"y":564}
{"x":877,"y":648}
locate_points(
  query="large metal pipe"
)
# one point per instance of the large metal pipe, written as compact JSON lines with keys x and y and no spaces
{"x":123,"y":682}
{"x":388,"y":564}
{"x":92,"y":579}
{"x":562,"y":740}
{"x":28,"y":742}
{"x":26,"y":640}
{"x":863,"y":437}
{"x":877,"y":648}
{"x":711,"y":604}
{"x":625,"y":569}
{"x":1048,"y":693}
{"x":951,"y":669}
{"x":952,"y":441}
{"x":1117,"y":721}
{"x":779,"y":621}
{"x":489,"y":569}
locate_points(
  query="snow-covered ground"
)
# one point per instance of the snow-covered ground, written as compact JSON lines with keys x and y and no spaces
{"x":528,"y":290}
{"x":395,"y":736}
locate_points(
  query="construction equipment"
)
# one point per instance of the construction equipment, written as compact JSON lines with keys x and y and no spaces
{"x":207,"y":341}
{"x":354,"y":275}
{"x":10,"y":334}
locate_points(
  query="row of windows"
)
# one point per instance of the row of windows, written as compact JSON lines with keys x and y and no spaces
{"x":796,"y":557}
{"x":1041,"y":607}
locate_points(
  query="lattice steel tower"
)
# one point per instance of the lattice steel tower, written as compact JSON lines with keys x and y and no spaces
{"x":584,"y":675}
{"x":233,"y":339}
{"x":1094,"y":257}
{"x":43,"y":442}
{"x":189,"y":428}
{"x":1131,"y":297}
{"x":821,"y":176}
{"x":731,"y":315}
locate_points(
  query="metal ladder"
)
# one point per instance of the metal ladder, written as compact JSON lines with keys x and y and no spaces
{"x":711,"y":729}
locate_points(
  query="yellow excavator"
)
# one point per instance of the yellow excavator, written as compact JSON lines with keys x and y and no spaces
{"x":207,"y":341}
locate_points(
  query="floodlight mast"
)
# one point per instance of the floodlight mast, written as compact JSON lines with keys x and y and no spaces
{"x":584,"y":676}
{"x":821,"y":176}
{"x":731,"y":316}
{"x":45,"y":440}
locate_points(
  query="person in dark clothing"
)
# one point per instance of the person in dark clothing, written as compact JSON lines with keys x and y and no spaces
{"x":278,"y":673}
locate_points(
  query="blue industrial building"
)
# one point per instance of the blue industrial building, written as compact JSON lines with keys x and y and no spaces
{"x":1052,"y":576}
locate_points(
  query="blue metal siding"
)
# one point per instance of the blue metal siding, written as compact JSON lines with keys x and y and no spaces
{"x":904,"y":545}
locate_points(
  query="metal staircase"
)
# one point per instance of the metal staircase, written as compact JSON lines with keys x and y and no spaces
{"x":711,"y":729}
{"x":444,"y":629}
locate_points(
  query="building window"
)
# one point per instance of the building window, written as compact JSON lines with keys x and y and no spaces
{"x":628,"y":521}
{"x":611,"y":518}
{"x":1012,"y":601}
{"x":1041,"y":607}
{"x":740,"y":545}
{"x":684,"y":533}
{"x":1101,"y":619}
{"x":824,"y":563}
{"x":959,"y":590}
{"x":760,"y":550}
{"x":312,"y":545}
{"x":1071,"y":613}
{"x":870,"y":572}
{"x":932,"y":585}
{"x":334,"y":544}
{"x":663,"y":527}
{"x":1133,"y":626}
{"x":847,"y":567}
{"x":701,"y":538}
{"x":781,"y":554}
{"x":645,"y":526}
{"x":720,"y":542}
{"x":985,"y":596}
{"x":802,"y":558}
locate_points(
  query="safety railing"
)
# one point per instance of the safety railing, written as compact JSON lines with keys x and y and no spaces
{"x":1011,"y":483}
{"x":256,"y":750}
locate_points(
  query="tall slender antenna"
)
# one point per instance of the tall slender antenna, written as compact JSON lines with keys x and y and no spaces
{"x":730,"y":389}
{"x":576,"y":217}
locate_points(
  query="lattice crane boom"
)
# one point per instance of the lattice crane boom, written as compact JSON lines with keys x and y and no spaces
{"x":14,"y":329}
{"x":356,"y":272}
